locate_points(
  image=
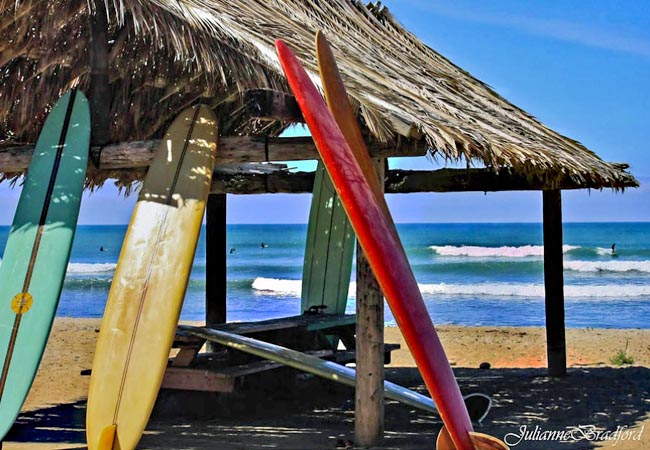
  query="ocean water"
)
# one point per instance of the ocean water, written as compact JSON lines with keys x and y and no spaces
{"x":469,"y":274}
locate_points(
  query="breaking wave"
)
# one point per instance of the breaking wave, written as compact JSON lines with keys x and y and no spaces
{"x":523,"y":251}
{"x":284,"y":287}
{"x":87,"y":268}
{"x":608,"y":266}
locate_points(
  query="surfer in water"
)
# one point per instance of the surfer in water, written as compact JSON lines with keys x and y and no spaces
{"x":264,"y":245}
{"x":101,"y":248}
{"x":613,"y":249}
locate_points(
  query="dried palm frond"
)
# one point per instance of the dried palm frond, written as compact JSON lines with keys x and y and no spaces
{"x":167,"y":54}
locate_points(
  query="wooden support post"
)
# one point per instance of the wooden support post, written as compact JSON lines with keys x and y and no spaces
{"x":215,"y":260}
{"x":100,"y":90}
{"x":369,"y":407}
{"x":554,"y":283}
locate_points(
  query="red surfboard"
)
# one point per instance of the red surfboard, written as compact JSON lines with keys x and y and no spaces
{"x":382,"y":246}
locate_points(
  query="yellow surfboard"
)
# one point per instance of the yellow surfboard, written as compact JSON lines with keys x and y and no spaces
{"x":149,"y":285}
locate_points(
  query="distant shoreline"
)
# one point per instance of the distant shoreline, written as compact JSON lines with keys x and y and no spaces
{"x":392,"y":325}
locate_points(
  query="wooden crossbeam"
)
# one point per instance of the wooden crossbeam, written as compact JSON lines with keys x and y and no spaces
{"x":237,"y":150}
{"x":396,"y":182}
{"x":231,"y":150}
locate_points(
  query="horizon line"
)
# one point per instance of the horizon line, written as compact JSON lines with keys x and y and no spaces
{"x":397,"y":223}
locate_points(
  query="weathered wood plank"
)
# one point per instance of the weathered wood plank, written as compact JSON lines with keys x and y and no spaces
{"x":185,"y":356}
{"x":224,"y":379}
{"x":472,"y":180}
{"x":304,"y":322}
{"x":396,"y":182}
{"x":197,"y":380}
{"x":291,"y":183}
{"x":369,"y":393}
{"x":237,"y":150}
{"x":232,"y":150}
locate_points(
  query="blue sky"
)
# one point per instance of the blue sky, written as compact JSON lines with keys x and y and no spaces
{"x":580,"y":67}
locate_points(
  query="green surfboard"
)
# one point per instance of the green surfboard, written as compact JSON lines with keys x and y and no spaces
{"x":328,"y":251}
{"x":38,"y":249}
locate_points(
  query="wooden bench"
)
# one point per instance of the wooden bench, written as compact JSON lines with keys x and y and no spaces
{"x":222,"y":369}
{"x":298,"y":332}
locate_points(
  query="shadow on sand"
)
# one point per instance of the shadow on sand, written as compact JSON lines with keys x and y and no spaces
{"x":57,"y":424}
{"x":314,"y":414}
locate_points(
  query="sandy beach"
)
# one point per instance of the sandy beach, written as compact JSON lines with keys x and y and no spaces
{"x":594,"y":394}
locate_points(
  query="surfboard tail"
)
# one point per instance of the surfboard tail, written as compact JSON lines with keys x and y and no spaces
{"x":480,"y":441}
{"x":107,"y":438}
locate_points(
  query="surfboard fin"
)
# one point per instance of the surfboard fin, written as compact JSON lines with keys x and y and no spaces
{"x":478,"y":406}
{"x":107,"y":438}
{"x":481,"y":441}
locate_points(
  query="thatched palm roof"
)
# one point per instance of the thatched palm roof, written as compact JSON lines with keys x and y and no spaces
{"x":167,"y":54}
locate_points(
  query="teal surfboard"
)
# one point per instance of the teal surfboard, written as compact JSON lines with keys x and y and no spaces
{"x":328,"y":251}
{"x":38,"y":249}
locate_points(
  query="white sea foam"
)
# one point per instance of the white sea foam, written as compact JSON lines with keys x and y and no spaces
{"x":537,"y":290}
{"x":608,"y":266}
{"x":603,"y":251}
{"x":275,"y":286}
{"x":281,"y":287}
{"x":278,"y":287}
{"x":491,"y":252}
{"x":87,"y":268}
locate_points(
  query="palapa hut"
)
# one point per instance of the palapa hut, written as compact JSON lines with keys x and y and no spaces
{"x":141,"y":62}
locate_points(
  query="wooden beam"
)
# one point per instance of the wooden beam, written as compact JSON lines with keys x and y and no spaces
{"x":554,"y":283}
{"x":236,"y":150}
{"x":215,"y":260}
{"x":99,"y":95}
{"x":196,"y":380}
{"x":475,"y":180}
{"x":369,"y":393}
{"x":396,"y":182}
{"x":281,"y":181}
{"x":232,"y":150}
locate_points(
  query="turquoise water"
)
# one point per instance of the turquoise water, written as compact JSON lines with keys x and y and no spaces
{"x":469,"y":274}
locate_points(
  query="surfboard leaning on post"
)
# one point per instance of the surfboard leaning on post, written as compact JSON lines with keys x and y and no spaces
{"x":337,"y":100}
{"x":377,"y":236}
{"x":149,"y":284}
{"x":38,"y":248}
{"x":328,"y":252}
